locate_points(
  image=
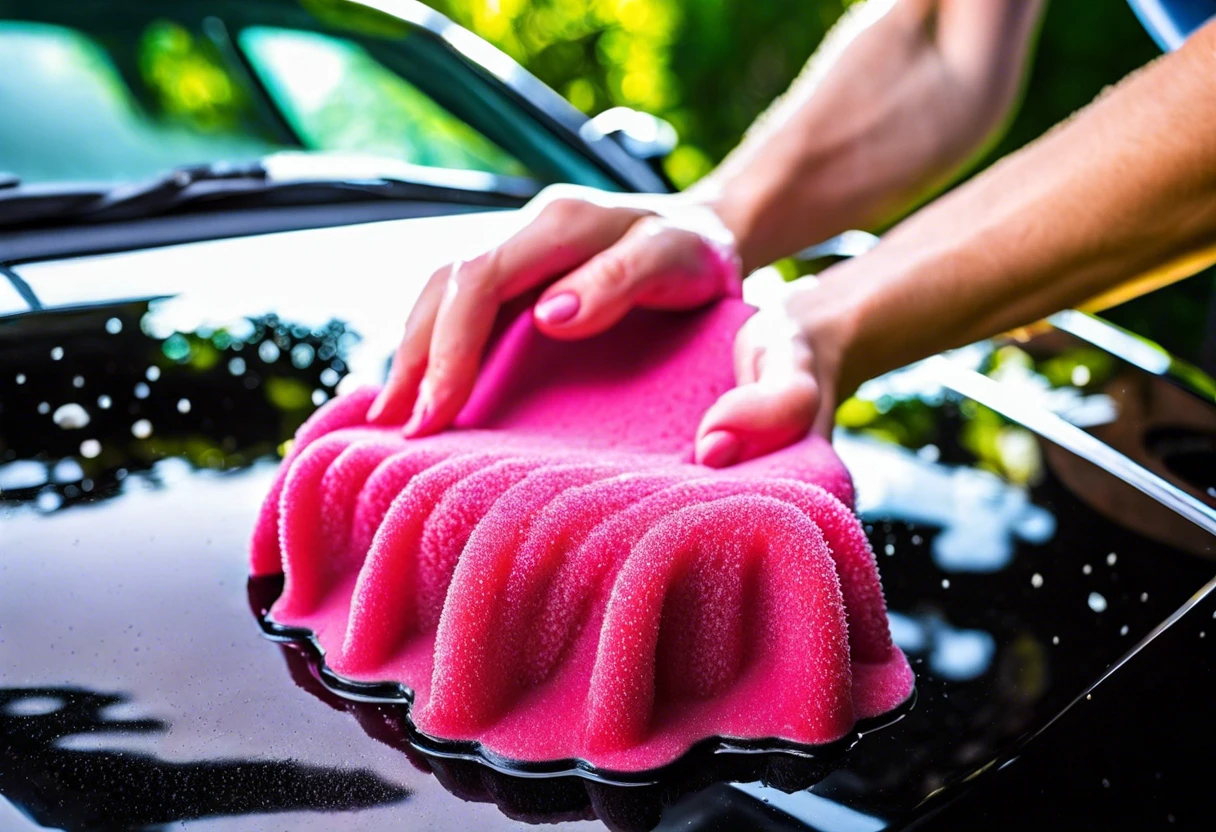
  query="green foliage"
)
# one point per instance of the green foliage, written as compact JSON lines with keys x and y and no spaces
{"x":711,"y":66}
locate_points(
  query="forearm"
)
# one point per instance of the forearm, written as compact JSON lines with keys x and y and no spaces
{"x":1127,"y":185}
{"x":896,"y":101}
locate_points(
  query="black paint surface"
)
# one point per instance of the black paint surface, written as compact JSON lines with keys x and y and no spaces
{"x":136,"y":690}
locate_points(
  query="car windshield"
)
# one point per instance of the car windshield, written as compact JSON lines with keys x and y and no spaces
{"x":123,"y":96}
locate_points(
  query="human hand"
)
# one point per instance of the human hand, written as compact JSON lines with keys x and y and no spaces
{"x":604,"y":255}
{"x":787,"y":363}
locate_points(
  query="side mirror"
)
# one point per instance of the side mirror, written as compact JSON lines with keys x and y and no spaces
{"x":642,"y":135}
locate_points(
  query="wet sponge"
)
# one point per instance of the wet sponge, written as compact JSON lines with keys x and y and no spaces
{"x":554,"y":579}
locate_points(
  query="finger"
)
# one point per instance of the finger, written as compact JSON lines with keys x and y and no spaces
{"x":564,"y":233}
{"x":747,"y":350}
{"x":462,"y":327}
{"x":395,"y":401}
{"x":652,"y":264}
{"x":759,"y":417}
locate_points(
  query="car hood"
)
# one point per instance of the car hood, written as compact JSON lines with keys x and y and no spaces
{"x":145,"y":404}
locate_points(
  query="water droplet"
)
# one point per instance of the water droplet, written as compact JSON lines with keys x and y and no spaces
{"x":1105,"y":782}
{"x":70,"y":416}
{"x":945,"y":583}
{"x":1111,"y":559}
{"x":48,"y":500}
{"x":1143,"y":597}
{"x":142,"y":390}
{"x":113,"y":326}
{"x":1055,"y":639}
{"x":152,"y":373}
{"x":1036,"y":580}
{"x":1080,"y":375}
{"x":1097,"y":602}
{"x":141,"y":429}
{"x":21,"y":378}
{"x":67,"y":470}
{"x":176,"y":347}
{"x":1086,"y":569}
{"x":889,"y":548}
{"x":56,"y":353}
{"x":44,"y":408}
{"x":302,"y":356}
{"x":268,"y":351}
{"x":183,"y":405}
{"x":330,"y":377}
{"x":237,"y":366}
{"x":104,"y":402}
{"x":319,"y":397}
{"x":1123,"y":630}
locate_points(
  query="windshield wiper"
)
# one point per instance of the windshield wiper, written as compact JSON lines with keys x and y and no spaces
{"x":281,"y":179}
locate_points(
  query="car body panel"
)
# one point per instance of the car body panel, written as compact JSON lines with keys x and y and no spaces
{"x":1004,"y":594}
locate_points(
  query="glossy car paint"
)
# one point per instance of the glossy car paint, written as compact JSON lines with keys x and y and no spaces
{"x":138,"y":690}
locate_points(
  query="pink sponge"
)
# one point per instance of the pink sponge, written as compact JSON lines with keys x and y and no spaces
{"x":555,"y":580}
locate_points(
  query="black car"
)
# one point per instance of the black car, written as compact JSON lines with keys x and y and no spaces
{"x":1043,"y":508}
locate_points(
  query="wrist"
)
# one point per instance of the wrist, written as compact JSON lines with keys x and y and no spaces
{"x":829,"y":311}
{"x":736,"y":214}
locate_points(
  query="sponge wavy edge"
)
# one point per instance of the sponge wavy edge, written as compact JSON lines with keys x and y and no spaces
{"x":584,"y":592}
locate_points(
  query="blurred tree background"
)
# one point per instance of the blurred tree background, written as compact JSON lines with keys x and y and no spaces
{"x":711,"y":66}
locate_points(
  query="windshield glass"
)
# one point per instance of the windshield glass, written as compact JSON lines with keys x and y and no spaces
{"x":77,"y":111}
{"x":335,"y":96}
{"x":146,"y":95}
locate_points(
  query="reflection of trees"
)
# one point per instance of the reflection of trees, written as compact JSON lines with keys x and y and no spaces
{"x":72,"y":789}
{"x":218,"y":399}
{"x":551,"y":799}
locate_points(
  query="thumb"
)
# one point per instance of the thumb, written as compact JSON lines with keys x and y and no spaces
{"x":762,"y":415}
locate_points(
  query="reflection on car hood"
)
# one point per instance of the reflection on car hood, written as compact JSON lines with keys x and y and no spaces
{"x":143,"y":410}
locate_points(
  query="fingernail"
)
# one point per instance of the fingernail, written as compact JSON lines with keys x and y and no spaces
{"x":557,"y":309}
{"x":719,"y":448}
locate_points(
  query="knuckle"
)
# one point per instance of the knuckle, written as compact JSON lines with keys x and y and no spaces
{"x":474,"y":275}
{"x":562,"y":209}
{"x":612,"y":272}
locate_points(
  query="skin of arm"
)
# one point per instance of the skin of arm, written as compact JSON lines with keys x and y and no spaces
{"x":901,"y":95}
{"x":896,"y":102}
{"x":1126,"y":185}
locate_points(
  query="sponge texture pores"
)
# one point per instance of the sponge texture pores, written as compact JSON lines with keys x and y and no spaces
{"x":554,"y":579}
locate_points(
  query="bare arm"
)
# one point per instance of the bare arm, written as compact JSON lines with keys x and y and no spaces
{"x":1126,"y":185}
{"x":903,"y":93}
{"x":898,"y":99}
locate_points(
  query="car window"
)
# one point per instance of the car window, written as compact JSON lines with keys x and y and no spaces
{"x":154,"y":98}
{"x":336,"y":96}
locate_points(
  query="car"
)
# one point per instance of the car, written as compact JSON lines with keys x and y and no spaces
{"x":176,"y":297}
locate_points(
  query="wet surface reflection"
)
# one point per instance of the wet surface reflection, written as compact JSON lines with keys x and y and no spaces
{"x":547,"y":800}
{"x":96,"y":788}
{"x":1015,"y":573}
{"x":90,"y":397}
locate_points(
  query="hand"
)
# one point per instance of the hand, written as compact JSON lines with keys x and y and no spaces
{"x":604,"y":254}
{"x":787,"y":361}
